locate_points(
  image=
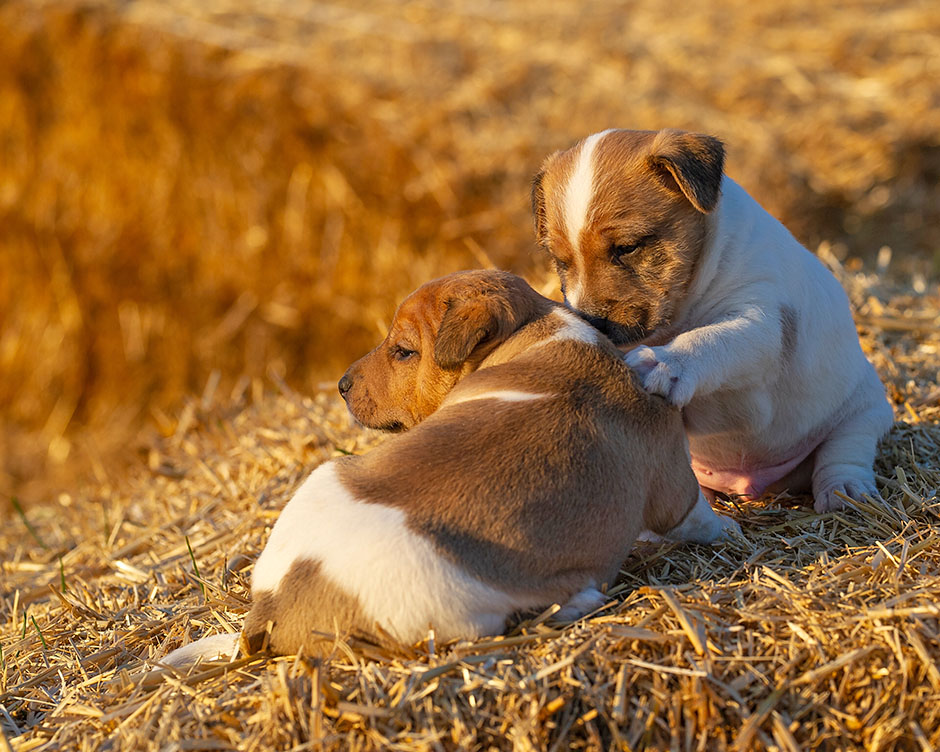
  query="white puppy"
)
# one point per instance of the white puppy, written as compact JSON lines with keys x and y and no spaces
{"x":531,"y":462}
{"x":730,"y":318}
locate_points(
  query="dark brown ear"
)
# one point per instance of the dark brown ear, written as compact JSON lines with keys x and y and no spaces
{"x":693,"y":163}
{"x":482,"y":317}
{"x":538,"y":208}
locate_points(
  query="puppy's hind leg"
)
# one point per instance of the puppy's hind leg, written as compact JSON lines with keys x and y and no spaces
{"x":703,"y":525}
{"x":844,"y":460}
{"x":582,"y":603}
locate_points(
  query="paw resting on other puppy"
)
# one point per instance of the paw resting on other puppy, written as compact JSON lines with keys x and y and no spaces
{"x":663,"y":373}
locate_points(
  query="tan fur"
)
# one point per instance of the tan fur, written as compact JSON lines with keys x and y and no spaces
{"x":541,"y":500}
{"x":649,"y":193}
{"x":451,"y":324}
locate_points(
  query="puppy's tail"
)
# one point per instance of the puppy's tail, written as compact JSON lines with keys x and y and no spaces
{"x":211,"y":648}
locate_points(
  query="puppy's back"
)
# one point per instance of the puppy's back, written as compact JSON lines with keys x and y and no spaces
{"x":538,"y":469}
{"x":530,"y":483}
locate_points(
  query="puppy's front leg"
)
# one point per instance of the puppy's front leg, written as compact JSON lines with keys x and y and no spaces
{"x":701,"y":525}
{"x":732,"y":352}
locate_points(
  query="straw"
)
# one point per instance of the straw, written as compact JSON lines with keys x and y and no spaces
{"x":811,"y":630}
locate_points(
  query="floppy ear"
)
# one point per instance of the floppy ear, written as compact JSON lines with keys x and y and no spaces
{"x":482,"y":318}
{"x":692,"y":163}
{"x":466,"y":324}
{"x":538,"y":208}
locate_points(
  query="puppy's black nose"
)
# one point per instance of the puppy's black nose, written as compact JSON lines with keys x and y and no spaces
{"x":345,"y":384}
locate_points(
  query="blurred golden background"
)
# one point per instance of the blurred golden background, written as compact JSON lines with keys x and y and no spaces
{"x":217,"y":196}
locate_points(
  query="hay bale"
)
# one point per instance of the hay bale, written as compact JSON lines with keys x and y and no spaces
{"x":197,"y":186}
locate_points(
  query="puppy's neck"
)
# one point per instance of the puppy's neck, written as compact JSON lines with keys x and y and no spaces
{"x":740,"y":242}
{"x":557,"y":324}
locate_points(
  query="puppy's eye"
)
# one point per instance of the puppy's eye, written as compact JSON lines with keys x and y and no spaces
{"x":620,"y":252}
{"x":400,"y":352}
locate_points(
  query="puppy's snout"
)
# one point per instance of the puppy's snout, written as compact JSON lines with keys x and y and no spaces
{"x":344,"y":385}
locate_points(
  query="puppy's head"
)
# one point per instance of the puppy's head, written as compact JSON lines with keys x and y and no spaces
{"x":439,"y":334}
{"x":623,"y":215}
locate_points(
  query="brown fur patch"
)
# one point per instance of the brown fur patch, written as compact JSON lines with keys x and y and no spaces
{"x":307,"y":612}
{"x":538,"y":205}
{"x":694,"y":162}
{"x":549,"y":216}
{"x":790,"y":322}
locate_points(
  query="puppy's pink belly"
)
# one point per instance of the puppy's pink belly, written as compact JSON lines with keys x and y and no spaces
{"x":745,"y":481}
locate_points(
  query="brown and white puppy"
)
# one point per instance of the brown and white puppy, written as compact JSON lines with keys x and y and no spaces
{"x":737,"y":323}
{"x":532,"y":463}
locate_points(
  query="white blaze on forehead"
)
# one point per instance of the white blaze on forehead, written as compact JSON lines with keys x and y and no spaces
{"x":580,"y":188}
{"x":573,"y":291}
{"x":369,"y":552}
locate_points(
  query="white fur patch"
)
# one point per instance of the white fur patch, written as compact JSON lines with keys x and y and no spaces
{"x":573,"y":293}
{"x":588,"y":600}
{"x":574,"y":328}
{"x":368,"y":550}
{"x":504,"y":395}
{"x":580,"y":189}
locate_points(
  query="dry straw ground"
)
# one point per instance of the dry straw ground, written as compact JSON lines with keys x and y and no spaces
{"x":812,"y":632}
{"x":210,"y":198}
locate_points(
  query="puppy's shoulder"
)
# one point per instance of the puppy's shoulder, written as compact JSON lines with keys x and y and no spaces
{"x":598,"y":367}
{"x":627,"y":388}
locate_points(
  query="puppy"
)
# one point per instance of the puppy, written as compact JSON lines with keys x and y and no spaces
{"x":735,"y":321}
{"x":532,"y":462}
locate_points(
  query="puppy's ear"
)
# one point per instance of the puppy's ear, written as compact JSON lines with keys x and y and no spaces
{"x":466,"y":324}
{"x":538,"y":208}
{"x":692,"y":163}
{"x":479,"y":320}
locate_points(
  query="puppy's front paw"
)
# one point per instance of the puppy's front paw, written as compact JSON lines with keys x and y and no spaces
{"x":847,"y":480}
{"x":582,"y":603}
{"x":662,"y":373}
{"x":648,"y":536}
